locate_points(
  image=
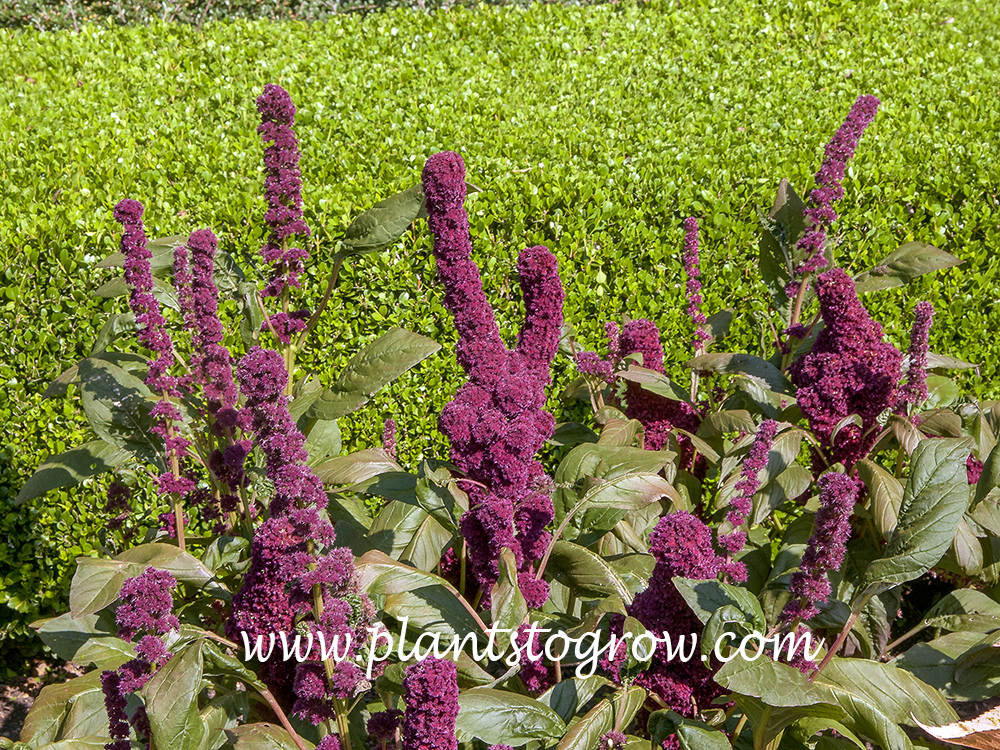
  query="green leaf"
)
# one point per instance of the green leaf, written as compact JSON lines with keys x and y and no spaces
{"x":600,"y":720}
{"x":87,"y":715}
{"x":743,"y":364}
{"x":183,"y":566}
{"x":902,"y":266}
{"x":118,"y":325}
{"x":507,"y":605}
{"x":942,"y":392}
{"x":125,"y":360}
{"x":655,"y":382}
{"x":885,"y":495}
{"x":383,"y":223}
{"x":162,"y":250}
{"x":692,"y":735}
{"x":585,"y":573}
{"x":215,"y":660}
{"x":566,"y":697}
{"x":48,"y":712}
{"x":718,"y":325}
{"x":990,"y":478}
{"x":408,"y":533}
{"x":934,"y":501}
{"x":97,"y":582}
{"x":226,"y":550}
{"x":71,"y":468}
{"x":263,"y":736}
{"x":572,"y":433}
{"x":323,"y":441}
{"x":163,"y":291}
{"x":117,"y":406}
{"x":443,"y":500}
{"x":379,"y":363}
{"x":782,"y":228}
{"x":497,"y":716}
{"x":88,"y":640}
{"x":723,"y":422}
{"x":357,"y":467}
{"x":619,"y":432}
{"x":171,"y":698}
{"x":705,"y":597}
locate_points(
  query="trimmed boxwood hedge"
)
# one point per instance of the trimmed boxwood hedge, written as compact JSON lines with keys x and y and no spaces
{"x":594,"y":131}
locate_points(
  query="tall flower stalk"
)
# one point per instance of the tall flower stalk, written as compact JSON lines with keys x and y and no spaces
{"x":153,"y":335}
{"x":496,"y":423}
{"x":819,"y":214}
{"x":914,"y":391}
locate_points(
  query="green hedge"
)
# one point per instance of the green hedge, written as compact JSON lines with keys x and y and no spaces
{"x":594,"y":131}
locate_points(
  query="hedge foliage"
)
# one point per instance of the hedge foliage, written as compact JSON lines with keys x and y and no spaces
{"x":594,"y":131}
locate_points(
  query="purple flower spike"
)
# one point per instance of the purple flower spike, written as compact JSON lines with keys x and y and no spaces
{"x":115,"y":703}
{"x":850,"y":370}
{"x":389,"y":437}
{"x":915,"y":389}
{"x":612,"y":741}
{"x":820,"y":215}
{"x":430,"y":691}
{"x":292,"y":553}
{"x":681,"y":544}
{"x":693,"y":271}
{"x":749,"y":484}
{"x":658,"y":415}
{"x":283,"y":190}
{"x":152,"y":331}
{"x":496,"y":423}
{"x":826,"y":547}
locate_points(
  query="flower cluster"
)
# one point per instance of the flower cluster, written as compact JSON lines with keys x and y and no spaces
{"x":383,"y":727}
{"x":658,"y":415}
{"x":430,"y":691}
{"x":283,"y":190}
{"x":681,"y":543}
{"x":146,"y":607}
{"x":612,"y":741}
{"x":820,"y":215}
{"x":389,"y":437}
{"x":496,"y":423}
{"x":693,"y":270}
{"x":826,"y":547}
{"x":747,"y":487}
{"x":850,"y":370}
{"x":286,"y":557}
{"x":118,"y":503}
{"x":153,"y":335}
{"x":914,"y":391}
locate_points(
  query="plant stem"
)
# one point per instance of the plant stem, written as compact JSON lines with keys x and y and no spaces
{"x":338,"y":261}
{"x":283,"y":719}
{"x":760,"y":730}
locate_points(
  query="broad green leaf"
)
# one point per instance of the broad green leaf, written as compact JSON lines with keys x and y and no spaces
{"x":655,"y":382}
{"x":507,"y":605}
{"x":117,"y":325}
{"x":323,"y":441}
{"x":162,"y":250}
{"x":705,"y":597}
{"x":88,"y":640}
{"x":990,"y":478}
{"x":782,"y":227}
{"x":497,"y":716}
{"x":410,"y":534}
{"x":87,"y":715}
{"x":216,"y":660}
{"x":171,"y":698}
{"x":566,"y":697}
{"x":97,"y":582}
{"x":377,"y":364}
{"x":744,"y":364}
{"x":584,"y":572}
{"x":619,"y":432}
{"x":934,"y":501}
{"x":263,"y":736}
{"x":718,"y":325}
{"x":183,"y":566}
{"x":357,"y":467}
{"x":117,"y":406}
{"x":934,"y":663}
{"x":383,"y":223}
{"x":885,"y":495}
{"x":600,"y":720}
{"x":966,"y":550}
{"x":722,"y":422}
{"x":692,"y":735}
{"x":71,"y":468}
{"x":911,"y":260}
{"x":49,"y":710}
{"x":163,"y":291}
{"x":572,"y":433}
{"x":131,"y":362}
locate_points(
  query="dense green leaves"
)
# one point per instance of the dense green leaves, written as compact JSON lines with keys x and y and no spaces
{"x":934,"y":500}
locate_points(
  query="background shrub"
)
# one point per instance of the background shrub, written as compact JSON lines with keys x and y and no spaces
{"x":593,"y":131}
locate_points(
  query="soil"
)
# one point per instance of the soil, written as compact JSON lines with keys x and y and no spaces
{"x":17,"y":696}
